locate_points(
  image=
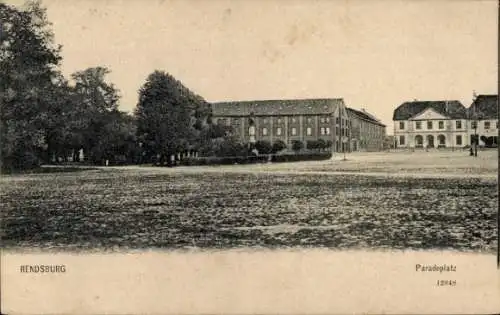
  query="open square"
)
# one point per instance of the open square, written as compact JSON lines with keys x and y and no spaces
{"x":398,"y":200}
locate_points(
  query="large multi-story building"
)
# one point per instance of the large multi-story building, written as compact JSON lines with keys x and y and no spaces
{"x":367,"y":132}
{"x":441,"y":124}
{"x":287,"y":120}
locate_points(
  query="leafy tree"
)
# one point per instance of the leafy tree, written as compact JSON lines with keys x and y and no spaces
{"x":28,"y":79}
{"x":96,"y":100}
{"x":264,"y":147}
{"x":278,"y":145}
{"x":170,"y":118}
{"x":230,"y":146}
{"x":118,"y":143}
{"x":312,"y":144}
{"x":297,"y":145}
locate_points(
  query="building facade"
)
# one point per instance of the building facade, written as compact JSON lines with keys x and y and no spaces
{"x":434,"y":124}
{"x":287,"y":120}
{"x":483,"y":120}
{"x":446,"y":124}
{"x":367,"y":132}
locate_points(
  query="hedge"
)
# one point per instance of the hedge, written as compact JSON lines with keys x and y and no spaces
{"x":302,"y":157}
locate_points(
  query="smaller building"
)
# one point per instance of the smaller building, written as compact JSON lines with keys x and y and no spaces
{"x":431,"y":124}
{"x":483,"y":120}
{"x":367,"y":132}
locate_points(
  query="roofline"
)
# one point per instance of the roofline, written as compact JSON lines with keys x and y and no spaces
{"x":365,"y":119}
{"x":272,"y":115}
{"x":279,"y":100}
{"x":420,"y":101}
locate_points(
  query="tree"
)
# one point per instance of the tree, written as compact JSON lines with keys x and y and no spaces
{"x":230,"y":146}
{"x":118,"y":144}
{"x":170,"y":118}
{"x":312,"y":145}
{"x":321,"y":144}
{"x":329,"y":144}
{"x":264,"y":147}
{"x":96,"y":106}
{"x":28,"y":78}
{"x":297,"y":145}
{"x":278,"y":145}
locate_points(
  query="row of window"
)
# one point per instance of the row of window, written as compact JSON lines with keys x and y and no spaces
{"x":293,"y":131}
{"x":309,"y":120}
{"x":370,"y":127}
{"x":441,"y":138}
{"x":487,"y":124}
{"x":458,"y":124}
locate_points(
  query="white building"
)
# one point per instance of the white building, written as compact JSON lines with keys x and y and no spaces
{"x":484,"y":111}
{"x":431,"y":124}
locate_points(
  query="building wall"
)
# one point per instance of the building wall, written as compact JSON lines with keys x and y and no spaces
{"x":366,"y":135}
{"x":442,"y":133}
{"x":485,"y":127}
{"x":292,"y":127}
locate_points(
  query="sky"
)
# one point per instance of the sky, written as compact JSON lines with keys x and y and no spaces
{"x":374,"y":54}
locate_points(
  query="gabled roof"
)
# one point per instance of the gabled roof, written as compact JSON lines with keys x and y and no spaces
{"x":364,"y":115}
{"x":277,"y":107}
{"x":453,"y":109}
{"x":484,"y":107}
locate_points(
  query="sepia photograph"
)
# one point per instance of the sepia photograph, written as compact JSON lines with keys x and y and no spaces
{"x":243,"y":157}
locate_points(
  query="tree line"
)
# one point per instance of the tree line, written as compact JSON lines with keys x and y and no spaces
{"x":47,"y":118}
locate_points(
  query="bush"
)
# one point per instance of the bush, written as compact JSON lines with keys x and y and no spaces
{"x":278,"y":146}
{"x":321,"y":144}
{"x":230,"y":147}
{"x":301,"y":157}
{"x":312,"y":145}
{"x":264,"y":147}
{"x":20,"y":161}
{"x":297,"y":145}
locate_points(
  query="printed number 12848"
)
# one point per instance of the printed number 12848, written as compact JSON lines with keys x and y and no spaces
{"x":442,"y":283}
